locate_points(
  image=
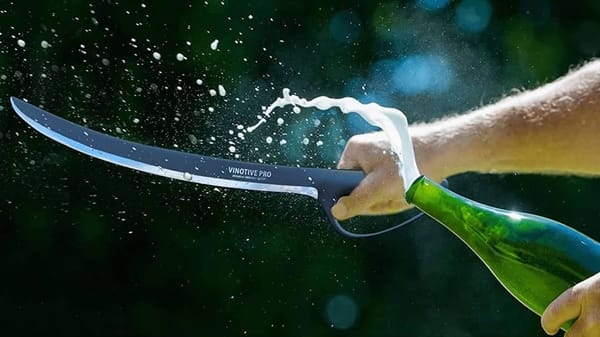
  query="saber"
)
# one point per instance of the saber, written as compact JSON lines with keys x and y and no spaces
{"x":324,"y":185}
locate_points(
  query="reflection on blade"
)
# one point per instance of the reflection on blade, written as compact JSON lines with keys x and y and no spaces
{"x":167,"y":163}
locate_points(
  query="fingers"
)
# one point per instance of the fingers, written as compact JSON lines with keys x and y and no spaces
{"x":577,"y":330}
{"x":564,"y":308}
{"x":357,"y":202}
{"x":581,"y":302}
{"x":585,"y":327}
{"x":381,"y":191}
{"x":377,"y":193}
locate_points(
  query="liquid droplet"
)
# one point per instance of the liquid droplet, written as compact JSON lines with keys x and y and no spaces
{"x":222,"y":91}
{"x":181,"y":57}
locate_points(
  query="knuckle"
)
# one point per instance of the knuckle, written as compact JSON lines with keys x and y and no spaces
{"x":354,"y":142}
{"x":582,"y":292}
{"x":352,"y":147}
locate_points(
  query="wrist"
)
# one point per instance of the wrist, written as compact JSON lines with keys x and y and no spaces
{"x":443,"y":149}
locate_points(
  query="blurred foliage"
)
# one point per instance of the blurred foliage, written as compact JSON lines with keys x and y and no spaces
{"x":88,"y":248}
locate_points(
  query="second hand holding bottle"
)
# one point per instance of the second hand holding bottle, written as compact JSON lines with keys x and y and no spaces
{"x":533,"y":257}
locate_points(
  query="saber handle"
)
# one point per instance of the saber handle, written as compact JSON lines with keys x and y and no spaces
{"x":333,"y":184}
{"x":325,"y":185}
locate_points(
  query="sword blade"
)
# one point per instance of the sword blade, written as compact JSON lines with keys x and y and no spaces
{"x":168,"y":163}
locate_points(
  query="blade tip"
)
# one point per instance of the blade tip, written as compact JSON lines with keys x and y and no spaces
{"x":14,"y":100}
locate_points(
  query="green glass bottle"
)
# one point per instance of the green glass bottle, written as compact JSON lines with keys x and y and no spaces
{"x":534,"y":258}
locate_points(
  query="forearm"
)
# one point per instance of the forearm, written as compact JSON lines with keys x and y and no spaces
{"x":552,"y":129}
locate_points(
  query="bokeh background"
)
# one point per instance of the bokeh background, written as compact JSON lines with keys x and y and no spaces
{"x":88,"y":248}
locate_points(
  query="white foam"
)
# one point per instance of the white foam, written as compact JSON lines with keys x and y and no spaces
{"x":180,"y":57}
{"x":214,"y":45}
{"x":391,"y":121}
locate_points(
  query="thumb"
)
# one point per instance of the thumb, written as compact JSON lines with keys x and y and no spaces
{"x":357,"y":202}
{"x":564,"y":308}
{"x":344,"y":208}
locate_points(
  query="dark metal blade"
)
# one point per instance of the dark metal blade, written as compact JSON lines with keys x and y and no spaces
{"x":168,"y":163}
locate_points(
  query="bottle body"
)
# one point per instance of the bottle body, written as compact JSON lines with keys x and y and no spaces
{"x":534,"y":258}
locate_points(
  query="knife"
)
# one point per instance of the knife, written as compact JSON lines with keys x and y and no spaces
{"x":324,"y":185}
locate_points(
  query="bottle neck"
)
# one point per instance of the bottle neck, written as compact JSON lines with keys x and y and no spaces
{"x":467,"y":219}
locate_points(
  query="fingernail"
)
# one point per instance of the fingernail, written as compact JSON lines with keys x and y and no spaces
{"x":339,"y":210}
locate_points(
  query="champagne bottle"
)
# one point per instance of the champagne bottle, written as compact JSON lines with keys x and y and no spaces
{"x":533,"y":257}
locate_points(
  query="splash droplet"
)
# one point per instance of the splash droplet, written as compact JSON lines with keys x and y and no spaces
{"x":222,"y":91}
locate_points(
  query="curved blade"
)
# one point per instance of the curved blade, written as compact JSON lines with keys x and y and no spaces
{"x":168,"y":163}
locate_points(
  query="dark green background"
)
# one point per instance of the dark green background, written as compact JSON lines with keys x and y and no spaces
{"x":87,"y":248}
